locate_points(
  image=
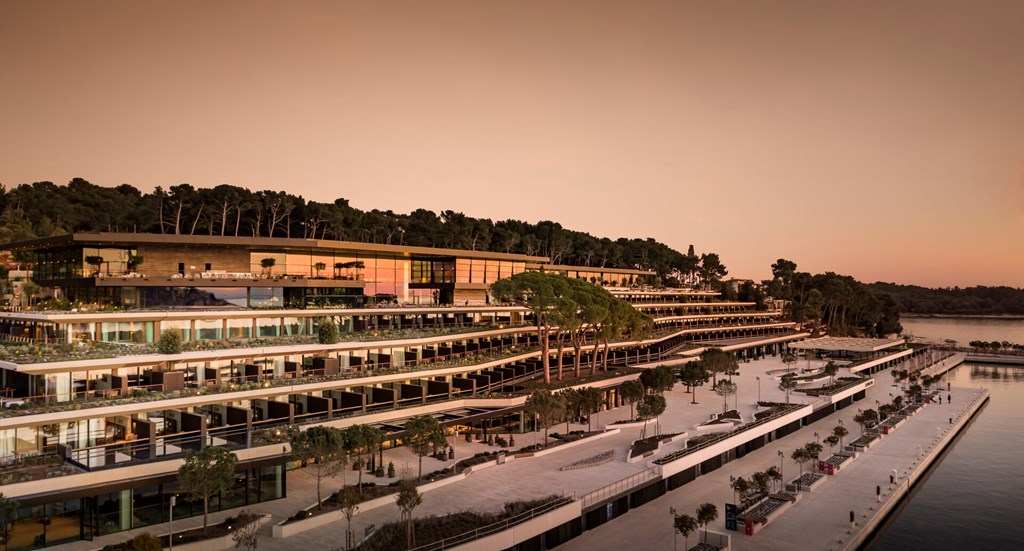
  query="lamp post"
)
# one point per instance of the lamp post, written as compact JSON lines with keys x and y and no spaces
{"x":758,"y":388}
{"x":675,"y":533}
{"x":170,"y":536}
{"x":817,"y":439}
{"x":782,"y":460}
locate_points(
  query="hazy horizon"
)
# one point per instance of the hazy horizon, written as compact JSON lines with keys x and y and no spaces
{"x":880,"y":140}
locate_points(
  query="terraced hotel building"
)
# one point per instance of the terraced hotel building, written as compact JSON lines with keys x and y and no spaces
{"x":95,"y":420}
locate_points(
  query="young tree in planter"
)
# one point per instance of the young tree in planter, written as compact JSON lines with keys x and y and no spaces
{"x":363,"y":441}
{"x":789,"y":359}
{"x":319,"y":267}
{"x":685,"y":525}
{"x":831,"y":369}
{"x":590,"y":402}
{"x":247,"y":536}
{"x":706,"y":514}
{"x":725,"y":389}
{"x":94,"y":261}
{"x":774,"y":474}
{"x":322,"y":451}
{"x":8,"y":514}
{"x":268,"y":265}
{"x":799,"y":456}
{"x":207,"y":473}
{"x":788,"y":383}
{"x":327,"y":331}
{"x":831,"y":441}
{"x":840,"y":432}
{"x":572,"y":401}
{"x":813,"y":450}
{"x":348,"y":503}
{"x":631,"y":391}
{"x":547,"y":407}
{"x":408,"y":498}
{"x":741,"y":487}
{"x":651,"y":407}
{"x":694,"y":374}
{"x":760,"y":482}
{"x":170,"y":341}
{"x":866,"y":419}
{"x":423,"y":434}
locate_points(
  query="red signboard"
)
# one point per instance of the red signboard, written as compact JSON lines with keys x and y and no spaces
{"x":749,"y":526}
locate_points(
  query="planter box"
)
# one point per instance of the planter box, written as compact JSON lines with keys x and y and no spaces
{"x":285,"y":528}
{"x":661,"y":443}
{"x":216,"y":544}
{"x":795,"y":486}
{"x":561,"y":447}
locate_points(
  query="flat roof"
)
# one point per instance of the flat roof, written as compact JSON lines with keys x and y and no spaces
{"x":254,"y":243}
{"x":846,"y":344}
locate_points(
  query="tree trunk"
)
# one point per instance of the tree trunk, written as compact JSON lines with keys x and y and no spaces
{"x":420,"y":475}
{"x":542,"y":334}
{"x":206,"y":511}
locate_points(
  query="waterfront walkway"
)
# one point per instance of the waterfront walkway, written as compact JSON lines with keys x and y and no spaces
{"x":821,"y":519}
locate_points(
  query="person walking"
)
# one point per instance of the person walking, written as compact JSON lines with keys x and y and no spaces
{"x":949,"y":399}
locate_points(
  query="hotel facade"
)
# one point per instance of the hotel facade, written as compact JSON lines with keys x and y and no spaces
{"x":95,"y":420}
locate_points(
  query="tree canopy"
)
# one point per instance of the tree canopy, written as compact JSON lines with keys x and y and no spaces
{"x":43,"y":209}
{"x":845,"y":305}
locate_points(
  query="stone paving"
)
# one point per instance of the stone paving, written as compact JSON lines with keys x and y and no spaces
{"x":489,"y":489}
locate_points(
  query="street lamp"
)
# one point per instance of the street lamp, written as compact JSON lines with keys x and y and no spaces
{"x":170,"y":537}
{"x":758,"y":388}
{"x":816,"y":438}
{"x":782,"y":460}
{"x":675,"y":533}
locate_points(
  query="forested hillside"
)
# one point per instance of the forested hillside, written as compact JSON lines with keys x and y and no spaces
{"x":43,"y":209}
{"x":969,"y":301}
{"x":839,"y":302}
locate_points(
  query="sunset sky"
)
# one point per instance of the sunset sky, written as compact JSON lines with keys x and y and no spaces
{"x":880,"y":139}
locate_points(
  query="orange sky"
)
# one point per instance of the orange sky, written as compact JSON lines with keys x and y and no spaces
{"x":875,"y":138}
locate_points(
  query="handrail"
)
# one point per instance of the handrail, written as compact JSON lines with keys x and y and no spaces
{"x":496,"y":527}
{"x":785,"y":410}
{"x":620,"y":486}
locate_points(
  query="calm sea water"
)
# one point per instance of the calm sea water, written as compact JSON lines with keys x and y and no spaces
{"x":974,"y":497}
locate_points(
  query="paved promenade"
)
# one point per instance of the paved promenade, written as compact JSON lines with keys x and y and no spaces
{"x":820,"y":520}
{"x":489,"y":489}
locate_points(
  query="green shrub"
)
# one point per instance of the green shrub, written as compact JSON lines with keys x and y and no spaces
{"x":146,"y":542}
{"x":327,"y":332}
{"x":170,"y":342}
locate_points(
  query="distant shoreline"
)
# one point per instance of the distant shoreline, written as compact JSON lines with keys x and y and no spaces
{"x":967,"y":316}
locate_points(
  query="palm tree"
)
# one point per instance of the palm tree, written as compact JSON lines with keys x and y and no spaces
{"x":706,"y":514}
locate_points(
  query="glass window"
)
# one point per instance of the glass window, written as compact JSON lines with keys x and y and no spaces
{"x":239,"y":328}
{"x":209,"y":330}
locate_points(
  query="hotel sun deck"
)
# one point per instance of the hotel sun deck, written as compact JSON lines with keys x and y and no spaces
{"x":95,"y":420}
